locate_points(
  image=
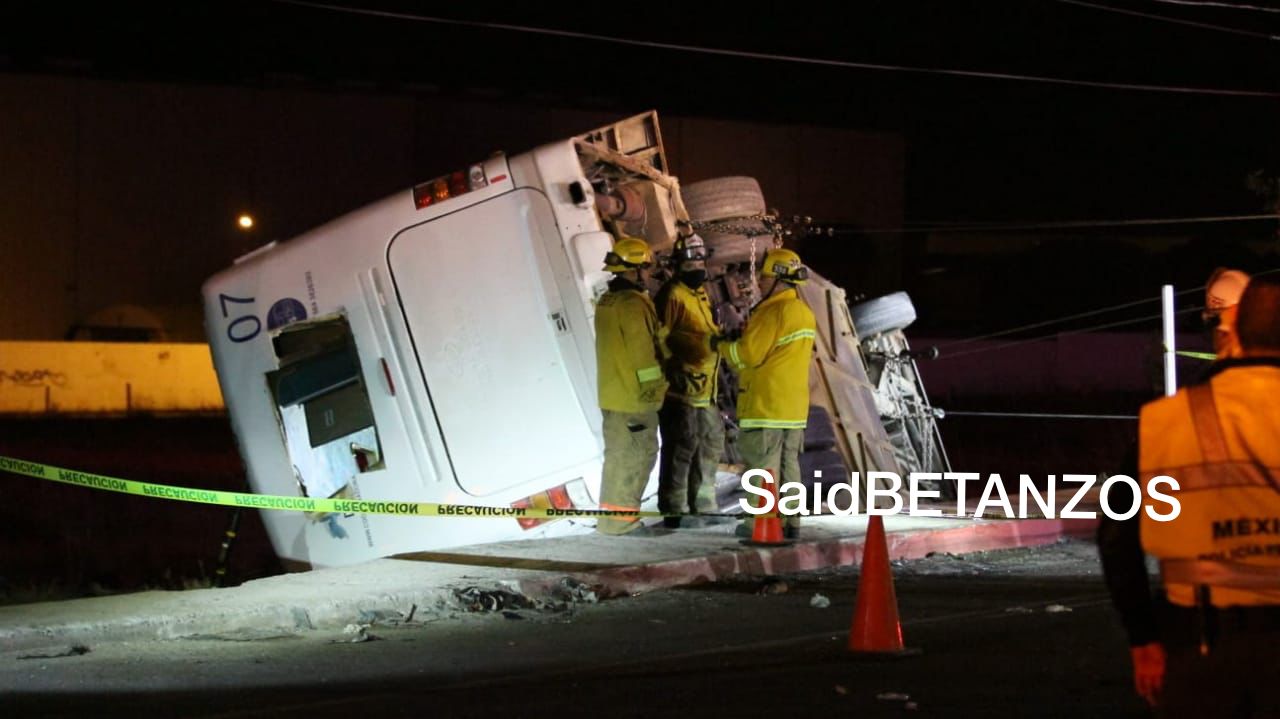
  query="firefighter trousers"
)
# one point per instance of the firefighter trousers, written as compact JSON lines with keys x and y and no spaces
{"x":775,"y":450}
{"x":630,"y":448}
{"x":692,"y":442}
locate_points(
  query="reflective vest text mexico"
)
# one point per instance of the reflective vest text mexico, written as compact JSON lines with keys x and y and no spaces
{"x":1221,"y":442}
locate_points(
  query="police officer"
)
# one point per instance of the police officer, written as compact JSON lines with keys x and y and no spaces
{"x":692,"y":429}
{"x":1211,"y":650}
{"x":772,"y":360}
{"x":629,"y":354}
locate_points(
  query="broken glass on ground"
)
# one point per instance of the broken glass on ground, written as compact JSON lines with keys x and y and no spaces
{"x":567,"y":594}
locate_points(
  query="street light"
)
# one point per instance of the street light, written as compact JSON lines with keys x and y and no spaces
{"x":245,"y":221}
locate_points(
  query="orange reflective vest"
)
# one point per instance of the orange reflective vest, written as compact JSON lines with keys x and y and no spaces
{"x":1221,"y":442}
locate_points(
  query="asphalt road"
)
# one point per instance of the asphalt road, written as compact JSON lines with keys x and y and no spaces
{"x":991,"y":648}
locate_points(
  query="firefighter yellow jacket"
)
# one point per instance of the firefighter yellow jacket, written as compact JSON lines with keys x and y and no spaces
{"x":629,"y":351}
{"x":772,"y":360}
{"x":1223,"y":448}
{"x":686,"y":313}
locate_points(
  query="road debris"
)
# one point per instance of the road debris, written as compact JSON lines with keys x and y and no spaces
{"x":509,"y":596}
{"x":819,"y":601}
{"x":572,"y":591}
{"x":74,"y":651}
{"x":242,"y":635}
{"x":383,"y":617}
{"x":359,"y":633}
{"x":475,"y":599}
{"x":773,"y":585}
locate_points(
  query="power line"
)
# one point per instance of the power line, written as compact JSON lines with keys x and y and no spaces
{"x":1080,"y":315}
{"x":652,"y":44}
{"x":1046,"y":323}
{"x":1063,"y":225}
{"x":1068,"y":333}
{"x":1175,"y":21}
{"x":1038,"y":415}
{"x":1228,"y":5}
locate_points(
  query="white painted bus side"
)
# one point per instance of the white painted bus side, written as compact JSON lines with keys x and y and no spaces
{"x":442,"y":354}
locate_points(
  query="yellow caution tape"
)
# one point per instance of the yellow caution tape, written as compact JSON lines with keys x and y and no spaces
{"x":295,"y":504}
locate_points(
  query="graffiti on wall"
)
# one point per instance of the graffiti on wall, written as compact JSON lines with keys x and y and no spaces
{"x":33,"y":378}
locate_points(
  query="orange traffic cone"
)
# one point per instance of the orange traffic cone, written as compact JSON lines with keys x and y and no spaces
{"x":766,"y":530}
{"x":876,"y":629}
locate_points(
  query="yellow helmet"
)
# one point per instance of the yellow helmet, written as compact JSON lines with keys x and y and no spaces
{"x":785,"y":265}
{"x":628,"y":253}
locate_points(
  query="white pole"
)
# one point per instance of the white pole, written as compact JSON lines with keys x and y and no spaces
{"x":1170,"y":359}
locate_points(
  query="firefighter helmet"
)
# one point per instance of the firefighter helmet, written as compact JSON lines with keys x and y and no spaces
{"x":784,"y":265}
{"x":688,"y":249}
{"x":628,"y":253}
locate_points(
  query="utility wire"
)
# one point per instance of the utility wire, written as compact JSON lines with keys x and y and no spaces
{"x":1046,"y":323}
{"x":1228,"y":5}
{"x":1056,"y":335}
{"x":1090,"y":313}
{"x":778,"y":57}
{"x":1064,"y":225}
{"x":1175,"y":21}
{"x":1039,"y":415}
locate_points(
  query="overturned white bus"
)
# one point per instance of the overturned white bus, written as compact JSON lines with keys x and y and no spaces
{"x":437,"y":346}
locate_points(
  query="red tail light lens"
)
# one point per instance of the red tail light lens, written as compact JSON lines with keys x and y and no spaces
{"x":554,"y":498}
{"x":447,"y":186}
{"x":458,"y":183}
{"x":559,"y":497}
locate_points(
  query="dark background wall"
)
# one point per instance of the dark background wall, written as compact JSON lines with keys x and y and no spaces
{"x":895,"y":123}
{"x":127,"y":192}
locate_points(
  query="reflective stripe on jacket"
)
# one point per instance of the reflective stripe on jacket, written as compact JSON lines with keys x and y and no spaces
{"x":1221,"y":442}
{"x":628,"y":352}
{"x":686,"y":312}
{"x":772,"y":359}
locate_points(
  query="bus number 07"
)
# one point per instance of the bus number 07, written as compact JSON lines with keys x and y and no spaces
{"x":249,"y":325}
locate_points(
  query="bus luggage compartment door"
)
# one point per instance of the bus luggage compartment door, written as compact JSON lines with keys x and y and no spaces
{"x":486,"y":323}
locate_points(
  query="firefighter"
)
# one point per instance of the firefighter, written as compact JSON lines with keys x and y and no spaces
{"x":1211,"y":648}
{"x":1221,"y":296}
{"x":772,"y":361}
{"x":629,"y":356}
{"x":692,"y":429}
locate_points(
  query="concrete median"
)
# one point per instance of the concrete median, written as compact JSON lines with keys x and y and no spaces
{"x":538,"y":573}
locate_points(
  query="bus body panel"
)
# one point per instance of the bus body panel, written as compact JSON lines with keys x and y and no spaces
{"x":469,"y":325}
{"x":494,"y":340}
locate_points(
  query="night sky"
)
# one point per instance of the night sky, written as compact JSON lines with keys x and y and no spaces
{"x":979,"y":150}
